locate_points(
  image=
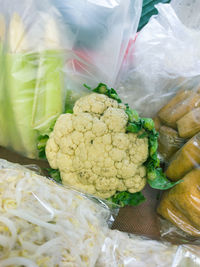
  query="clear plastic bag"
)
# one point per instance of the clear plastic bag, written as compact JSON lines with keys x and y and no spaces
{"x":180,"y":205}
{"x":166,"y":57}
{"x":45,"y":224}
{"x":128,"y":250}
{"x":187,"y":256}
{"x":163,"y":82}
{"x":123,"y":249}
{"x":48,"y":50}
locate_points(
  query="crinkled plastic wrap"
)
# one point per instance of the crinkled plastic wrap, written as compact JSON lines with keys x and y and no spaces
{"x":122,"y":249}
{"x":180,"y":205}
{"x":187,"y":256}
{"x":163,"y":81}
{"x":32,"y":82}
{"x":48,"y":50}
{"x":45,"y":224}
{"x":166,"y":57}
{"x":179,"y":145}
{"x":128,"y":250}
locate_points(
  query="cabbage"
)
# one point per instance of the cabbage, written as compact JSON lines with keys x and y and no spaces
{"x":31,"y":87}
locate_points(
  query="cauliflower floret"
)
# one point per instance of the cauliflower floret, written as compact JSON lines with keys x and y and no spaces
{"x":117,"y":154}
{"x":127,"y":170}
{"x":116,"y":119}
{"x":120,"y":140}
{"x":109,"y":184}
{"x":52,"y":149}
{"x":99,"y":128}
{"x":94,"y":103}
{"x":139,"y":150}
{"x":93,"y":151}
{"x":82,"y":122}
{"x":63,"y":126}
{"x":138,"y":186}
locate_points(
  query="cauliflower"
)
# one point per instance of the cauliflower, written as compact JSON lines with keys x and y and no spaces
{"x":93,"y":151}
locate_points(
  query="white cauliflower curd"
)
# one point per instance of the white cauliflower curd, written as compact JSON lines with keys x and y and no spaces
{"x":93,"y":151}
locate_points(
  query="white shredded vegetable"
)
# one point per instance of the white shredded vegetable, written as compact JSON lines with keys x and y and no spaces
{"x":43,"y":224}
{"x":122,"y":249}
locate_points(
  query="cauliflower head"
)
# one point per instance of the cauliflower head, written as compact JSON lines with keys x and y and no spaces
{"x":93,"y":151}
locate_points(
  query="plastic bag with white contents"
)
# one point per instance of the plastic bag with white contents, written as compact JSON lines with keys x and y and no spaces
{"x":45,"y":224}
{"x":128,"y":250}
{"x":48,"y":50}
{"x":187,"y":256}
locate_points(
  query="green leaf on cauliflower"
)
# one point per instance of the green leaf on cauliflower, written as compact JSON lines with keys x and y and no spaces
{"x":133,"y":116}
{"x":41,"y":144}
{"x":55,"y":175}
{"x":158,"y":180}
{"x":105,"y":90}
{"x":127,"y":198}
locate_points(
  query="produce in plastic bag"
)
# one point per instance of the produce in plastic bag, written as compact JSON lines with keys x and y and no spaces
{"x":44,"y":224}
{"x":163,"y":82}
{"x":168,"y":142}
{"x":177,"y":107}
{"x":128,"y":250}
{"x":187,"y":256}
{"x":47,"y":58}
{"x":181,"y":113}
{"x":122,"y":249}
{"x":180,"y":205}
{"x":32,"y":80}
{"x":187,"y":158}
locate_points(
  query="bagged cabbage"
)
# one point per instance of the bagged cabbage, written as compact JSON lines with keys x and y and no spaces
{"x":44,"y":224}
{"x":33,"y":89}
{"x":46,"y":59}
